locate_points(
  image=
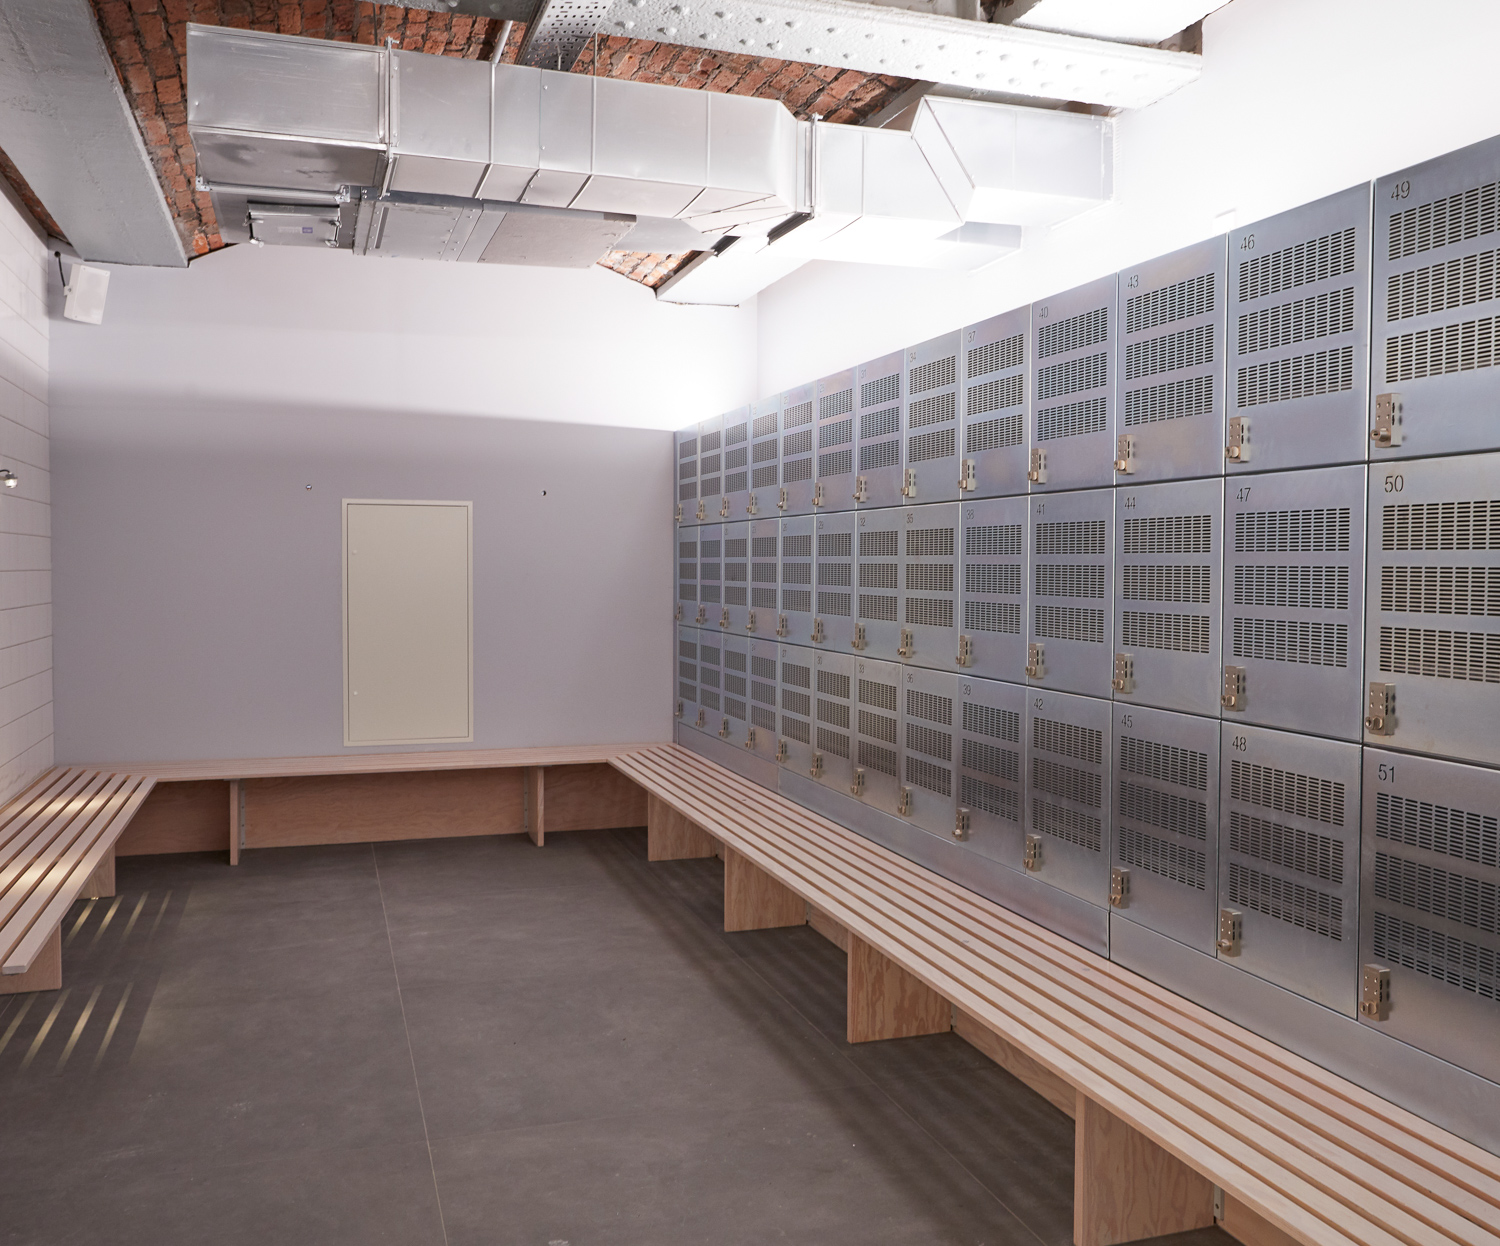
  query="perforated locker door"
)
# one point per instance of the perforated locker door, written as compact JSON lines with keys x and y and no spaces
{"x":710,"y":575}
{"x":930,"y":585}
{"x":995,"y":406}
{"x":1073,"y":388}
{"x":992,"y":587}
{"x":878,"y":427}
{"x":1068,"y":762}
{"x":1070,"y":629}
{"x":794,"y":692}
{"x":1289,"y":860}
{"x":734,"y":723}
{"x":765,"y":574}
{"x":991,"y":779}
{"x":1168,"y":565}
{"x":795,"y":621}
{"x":1432,"y":618}
{"x":929,"y":708}
{"x":834,"y":490}
{"x":711,"y":469}
{"x":1170,"y":421}
{"x":1299,"y":334}
{"x":931,"y":422}
{"x":687,"y":575}
{"x":833,"y":719}
{"x":877,"y":734}
{"x":1293,"y":596}
{"x":686,"y":505}
{"x":1430,"y":904}
{"x":763,"y":699}
{"x":710,"y":717}
{"x":765,"y":458}
{"x":686,"y":705}
{"x":834,"y":596}
{"x":877,"y":606}
{"x":736,"y":486}
{"x":799,"y":456}
{"x":1436,"y":322}
{"x":1166,"y":823}
{"x":736,"y":612}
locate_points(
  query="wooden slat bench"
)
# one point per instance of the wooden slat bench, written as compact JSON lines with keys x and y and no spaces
{"x":57,"y":842}
{"x":1179,"y":1113}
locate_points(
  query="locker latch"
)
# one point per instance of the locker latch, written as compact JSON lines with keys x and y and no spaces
{"x":679,"y":512}
{"x":908,"y":645}
{"x":702,"y":615}
{"x":781,"y":627}
{"x":678,"y":615}
{"x":724,"y":617}
{"x":818,"y":633}
{"x":1389,"y":410}
{"x":818,"y":494}
{"x":1031,"y":855}
{"x":968,"y":478}
{"x":909,"y":483}
{"x":751,"y":508}
{"x":816,"y":768}
{"x":1237,"y":446}
{"x":1374,"y":992}
{"x":903,"y":804}
{"x":1125,"y":454}
{"x":702,"y":510}
{"x":750,"y":622}
{"x":750,"y":738}
{"x":1119,"y":888}
{"x":1380,"y":710}
{"x":724,"y":730}
{"x":1037,"y":472}
{"x":1233,"y":696}
{"x":781,"y":501}
{"x":861,"y":491}
{"x":780,"y":750}
{"x":966,"y":651}
{"x":1036,"y":662}
{"x":857,"y":788}
{"x":702,"y":720}
{"x":859,"y":641}
{"x":724,"y":508}
{"x":961,"y":825}
{"x":1231,"y":931}
{"x":679,"y":710}
{"x":1124,"y":680}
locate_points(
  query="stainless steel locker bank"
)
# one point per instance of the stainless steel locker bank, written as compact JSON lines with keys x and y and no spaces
{"x":765,"y":459}
{"x":992,"y":632}
{"x":1429,"y":944}
{"x":929,"y":583}
{"x":1069,"y":755}
{"x":834,"y":488}
{"x":764,"y":659}
{"x":687,"y":675}
{"x":834,"y":600}
{"x":686,"y":505}
{"x":833,"y":714}
{"x":799,"y":460}
{"x":734,"y":707}
{"x":795,"y":622}
{"x":1073,"y":389}
{"x":878,"y":480}
{"x":710,"y":720}
{"x":927,"y":753}
{"x":877,"y":614}
{"x":996,"y":411}
{"x":991,"y":780}
{"x":710,"y":575}
{"x":1289,"y":860}
{"x":687,"y":575}
{"x":932,"y":420}
{"x":736,"y":484}
{"x":794,"y":747}
{"x":1070,"y":631}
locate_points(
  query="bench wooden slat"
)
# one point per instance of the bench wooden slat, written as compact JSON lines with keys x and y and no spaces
{"x":35,"y":796}
{"x":38,"y":814}
{"x":52,"y":832}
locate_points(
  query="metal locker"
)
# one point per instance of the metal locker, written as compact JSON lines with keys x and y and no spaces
{"x":878,"y":477}
{"x":1432,"y":618}
{"x":992,"y":637}
{"x":794,"y":745}
{"x":736,"y":612}
{"x":1166,"y":824}
{"x":686,"y":506}
{"x":762,"y":735}
{"x":795,"y":621}
{"x":995,"y":410}
{"x":932,"y":419}
{"x":1293,"y":591}
{"x":1070,"y":630}
{"x":736,"y":486}
{"x":1068,"y":760}
{"x":833,"y":601}
{"x":687,"y":575}
{"x":928,"y":791}
{"x":711,"y":499}
{"x":1168,"y":562}
{"x":1299,"y":337}
{"x":1435,"y":359}
{"x":991,"y":780}
{"x":1170,"y":421}
{"x":734,"y":708}
{"x":929,"y":583}
{"x":765,"y":569}
{"x":686,"y":711}
{"x":877,"y":616}
{"x":833,"y":725}
{"x":1429,"y":937}
{"x":1073,"y":389}
{"x":1289,"y":860}
{"x":765,"y":458}
{"x":710,"y":718}
{"x":710,"y":575}
{"x":799,"y":459}
{"x":877,"y":735}
{"x":834,"y":487}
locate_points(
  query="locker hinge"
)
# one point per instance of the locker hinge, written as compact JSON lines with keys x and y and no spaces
{"x":1124,"y":680}
{"x":961,"y":824}
{"x":750,"y":622}
{"x":818,"y":634}
{"x":780,"y":750}
{"x":903,"y":803}
{"x":1125,"y":454}
{"x":965,"y":651}
{"x":1237,"y":445}
{"x":781,"y":627}
{"x":702,"y":615}
{"x":702,"y":720}
{"x":679,"y":512}
{"x":1380,"y":710}
{"x":908,"y":645}
{"x":861,"y":490}
{"x":1389,"y":417}
{"x":1036,"y":662}
{"x":781,"y":501}
{"x":750,"y":738}
{"x":857,"y":788}
{"x":1231,"y":931}
{"x":724,"y":729}
{"x":724,"y":617}
{"x":1119,"y":888}
{"x":1233,"y":696}
{"x":816,"y":768}
{"x":968,"y":478}
{"x":1375,"y":992}
{"x":1031,"y":856}
{"x":1037,"y":472}
{"x":909,"y":483}
{"x":724,"y":508}
{"x":859,"y":641}
{"x":702,"y":510}
{"x":752,"y":507}
{"x":818,"y":494}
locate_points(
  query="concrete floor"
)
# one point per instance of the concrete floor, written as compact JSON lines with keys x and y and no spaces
{"x":479,"y":1042}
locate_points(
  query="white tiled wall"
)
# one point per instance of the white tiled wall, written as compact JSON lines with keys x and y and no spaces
{"x":26,"y":511}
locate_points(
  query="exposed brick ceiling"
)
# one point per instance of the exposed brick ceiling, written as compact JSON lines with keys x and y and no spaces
{"x":147,"y":39}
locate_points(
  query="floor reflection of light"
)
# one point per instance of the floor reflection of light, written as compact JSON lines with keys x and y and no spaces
{"x":83,"y":1020}
{"x":15,"y":1022}
{"x":114,"y":1021}
{"x":41,"y":1034}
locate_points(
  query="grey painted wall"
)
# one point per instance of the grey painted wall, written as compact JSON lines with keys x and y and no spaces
{"x":197,"y":579}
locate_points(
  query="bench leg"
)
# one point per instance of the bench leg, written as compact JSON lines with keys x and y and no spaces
{"x":45,"y":973}
{"x":671,"y":837}
{"x":535,"y":797}
{"x":102,"y":881}
{"x":753,"y":900}
{"x":1125,"y":1187}
{"x":887,"y":1002}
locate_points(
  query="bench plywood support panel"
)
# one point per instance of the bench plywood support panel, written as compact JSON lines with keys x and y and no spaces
{"x":1246,"y":1226}
{"x":1017,"y":1063}
{"x":753,"y":900}
{"x":102,"y":881}
{"x":1125,"y":1187}
{"x":535,"y":804}
{"x":671,"y":837}
{"x":887,"y":1002}
{"x":45,"y":973}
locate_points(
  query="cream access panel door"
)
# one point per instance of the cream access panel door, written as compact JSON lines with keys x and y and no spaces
{"x":408,"y":622}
